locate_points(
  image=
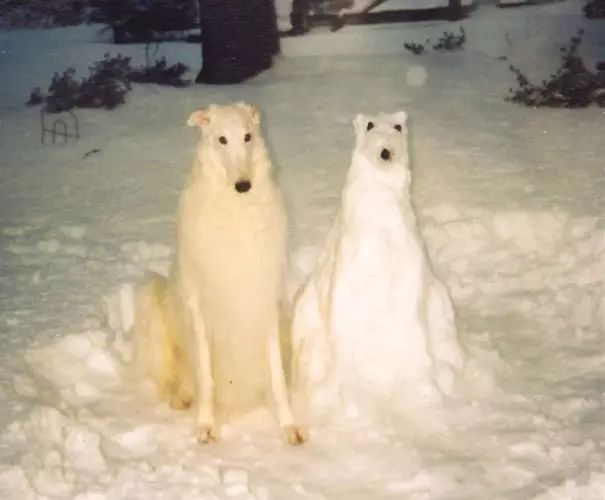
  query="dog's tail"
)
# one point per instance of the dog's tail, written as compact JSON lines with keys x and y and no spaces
{"x":157,"y":350}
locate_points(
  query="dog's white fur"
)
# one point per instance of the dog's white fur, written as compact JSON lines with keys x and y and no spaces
{"x":373,"y":317}
{"x":209,"y":332}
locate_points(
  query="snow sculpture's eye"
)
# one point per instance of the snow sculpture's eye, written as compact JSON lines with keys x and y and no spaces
{"x":222,"y":139}
{"x":398,"y":127}
{"x":370,"y":126}
{"x":247,"y":137}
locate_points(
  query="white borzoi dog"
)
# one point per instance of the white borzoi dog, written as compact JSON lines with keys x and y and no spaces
{"x":208,"y":334}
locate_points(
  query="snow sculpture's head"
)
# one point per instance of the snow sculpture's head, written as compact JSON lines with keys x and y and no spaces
{"x":231,"y":138}
{"x":382,"y":138}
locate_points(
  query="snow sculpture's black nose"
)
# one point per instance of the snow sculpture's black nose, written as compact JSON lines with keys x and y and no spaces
{"x":385,"y":154}
{"x":243,"y":186}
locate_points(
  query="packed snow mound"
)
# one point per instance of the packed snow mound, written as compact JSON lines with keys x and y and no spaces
{"x":84,"y":432}
{"x":545,"y":263}
{"x":87,"y":430}
{"x":374,"y":329}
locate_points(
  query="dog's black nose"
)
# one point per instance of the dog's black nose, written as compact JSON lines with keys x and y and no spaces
{"x":243,"y":186}
{"x":385,"y":154}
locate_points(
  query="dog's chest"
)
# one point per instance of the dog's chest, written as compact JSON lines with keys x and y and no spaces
{"x":245,"y":229}
{"x":237,"y":239}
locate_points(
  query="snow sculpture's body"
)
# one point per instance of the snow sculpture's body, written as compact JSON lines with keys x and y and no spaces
{"x":373,"y":327}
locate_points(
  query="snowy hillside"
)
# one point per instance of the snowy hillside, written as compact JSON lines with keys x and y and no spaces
{"x":510,"y":203}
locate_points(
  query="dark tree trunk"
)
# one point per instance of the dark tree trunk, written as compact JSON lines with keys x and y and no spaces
{"x":298,"y":16}
{"x":455,"y":10}
{"x":239,"y":39}
{"x":266,"y":24}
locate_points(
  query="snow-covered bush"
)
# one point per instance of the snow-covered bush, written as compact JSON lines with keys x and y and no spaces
{"x":595,"y":9}
{"x":35,"y":97}
{"x":105,"y":87}
{"x":449,"y":41}
{"x":42,"y":13}
{"x":571,"y":86}
{"x":63,"y":92}
{"x":161,"y":73}
{"x":415,"y":48}
{"x":107,"y":84}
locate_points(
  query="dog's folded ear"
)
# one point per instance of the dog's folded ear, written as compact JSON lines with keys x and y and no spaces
{"x":199,"y":118}
{"x":254,"y":112}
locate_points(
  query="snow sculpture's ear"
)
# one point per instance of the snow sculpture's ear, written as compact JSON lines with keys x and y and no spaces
{"x":400,"y":118}
{"x":252,"y":110}
{"x":359,"y":124}
{"x":199,"y":118}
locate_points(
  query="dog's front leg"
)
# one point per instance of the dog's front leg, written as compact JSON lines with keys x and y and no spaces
{"x":293,"y":433}
{"x":205,"y":426}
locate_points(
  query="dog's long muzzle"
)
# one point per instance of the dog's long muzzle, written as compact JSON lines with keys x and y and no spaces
{"x":239,"y":174}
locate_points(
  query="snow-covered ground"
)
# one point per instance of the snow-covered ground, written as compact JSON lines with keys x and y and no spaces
{"x":510,"y":203}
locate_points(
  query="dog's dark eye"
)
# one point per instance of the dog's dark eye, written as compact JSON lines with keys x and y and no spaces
{"x":247,"y":137}
{"x":398,"y":127}
{"x":370,"y":126}
{"x":222,"y":139}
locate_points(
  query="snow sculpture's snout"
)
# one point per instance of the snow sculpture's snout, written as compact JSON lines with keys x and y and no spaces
{"x":386,"y":154}
{"x":229,"y":136}
{"x":382,"y":138}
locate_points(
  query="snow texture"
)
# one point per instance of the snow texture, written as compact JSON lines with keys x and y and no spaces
{"x":509,"y":201}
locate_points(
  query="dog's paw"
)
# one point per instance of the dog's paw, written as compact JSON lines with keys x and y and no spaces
{"x":295,"y":434}
{"x":206,"y":433}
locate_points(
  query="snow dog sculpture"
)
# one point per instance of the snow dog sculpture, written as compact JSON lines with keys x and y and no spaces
{"x":373,"y":328}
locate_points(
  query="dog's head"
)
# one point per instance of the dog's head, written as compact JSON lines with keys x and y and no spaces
{"x":229,"y":137}
{"x":382,"y":138}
